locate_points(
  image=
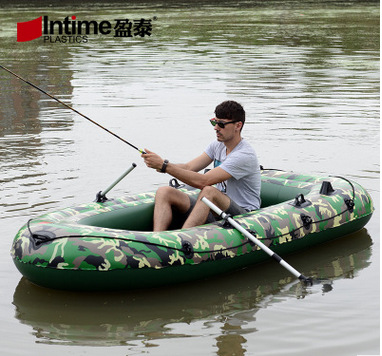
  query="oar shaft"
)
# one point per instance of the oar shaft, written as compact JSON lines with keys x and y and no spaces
{"x":254,"y":239}
{"x":107,"y":190}
{"x":69,"y":107}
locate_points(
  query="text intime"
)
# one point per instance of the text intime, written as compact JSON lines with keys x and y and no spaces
{"x":121,"y":27}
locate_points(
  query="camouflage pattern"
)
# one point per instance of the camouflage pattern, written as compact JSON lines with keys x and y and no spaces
{"x":64,"y":244}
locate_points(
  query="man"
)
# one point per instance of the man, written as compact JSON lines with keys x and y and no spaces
{"x":236,"y":174}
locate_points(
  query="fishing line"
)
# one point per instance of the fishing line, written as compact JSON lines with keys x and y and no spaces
{"x":69,"y":107}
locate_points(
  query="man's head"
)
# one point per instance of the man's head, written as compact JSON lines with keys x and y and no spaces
{"x":230,"y":110}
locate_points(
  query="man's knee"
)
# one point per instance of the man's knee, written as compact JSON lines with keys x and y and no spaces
{"x":209,"y":192}
{"x":173,"y":197}
{"x":215,"y":196}
{"x":163,"y":192}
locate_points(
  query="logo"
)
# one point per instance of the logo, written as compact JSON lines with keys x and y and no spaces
{"x":30,"y":30}
{"x":71,"y":30}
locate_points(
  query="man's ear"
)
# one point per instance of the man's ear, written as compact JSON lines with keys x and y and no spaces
{"x":239,"y":125}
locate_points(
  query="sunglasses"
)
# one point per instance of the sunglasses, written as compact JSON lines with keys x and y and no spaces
{"x":220,"y":123}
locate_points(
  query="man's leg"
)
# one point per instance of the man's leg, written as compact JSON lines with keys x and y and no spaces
{"x":165,"y":199}
{"x":200,"y":212}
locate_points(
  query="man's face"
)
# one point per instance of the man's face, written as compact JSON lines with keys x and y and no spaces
{"x":225,"y":129}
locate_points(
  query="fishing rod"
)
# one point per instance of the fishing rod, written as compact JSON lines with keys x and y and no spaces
{"x":69,"y":107}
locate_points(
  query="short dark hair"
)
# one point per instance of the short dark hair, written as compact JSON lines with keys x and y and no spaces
{"x":231,"y":110}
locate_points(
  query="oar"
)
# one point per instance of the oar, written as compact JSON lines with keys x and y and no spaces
{"x":69,"y":107}
{"x":101,"y":196}
{"x":274,"y":255}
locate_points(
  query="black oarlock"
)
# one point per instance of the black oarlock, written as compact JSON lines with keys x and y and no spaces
{"x":308,"y":281}
{"x":326,"y":188}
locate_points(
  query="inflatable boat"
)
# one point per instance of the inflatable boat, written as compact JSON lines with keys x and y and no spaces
{"x":110,"y":245}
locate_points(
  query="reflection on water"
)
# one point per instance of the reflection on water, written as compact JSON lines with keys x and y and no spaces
{"x":24,"y":118}
{"x":118,"y":318}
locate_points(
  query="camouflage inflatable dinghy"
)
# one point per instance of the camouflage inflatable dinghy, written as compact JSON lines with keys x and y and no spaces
{"x":109,"y":245}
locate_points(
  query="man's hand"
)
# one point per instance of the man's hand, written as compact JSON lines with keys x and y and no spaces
{"x":152,"y":160}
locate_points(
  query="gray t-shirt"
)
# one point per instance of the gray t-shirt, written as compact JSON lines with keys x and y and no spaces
{"x":242,"y":164}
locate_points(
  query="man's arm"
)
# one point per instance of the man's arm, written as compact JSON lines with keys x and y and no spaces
{"x":188,"y":172}
{"x":197,"y":180}
{"x":197,"y":164}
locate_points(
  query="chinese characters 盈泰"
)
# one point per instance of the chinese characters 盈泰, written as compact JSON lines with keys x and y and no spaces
{"x":127,"y":28}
